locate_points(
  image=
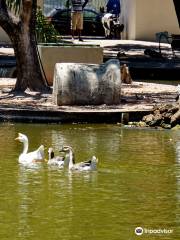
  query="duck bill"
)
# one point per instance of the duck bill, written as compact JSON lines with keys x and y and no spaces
{"x":18,"y":138}
{"x":61,"y":151}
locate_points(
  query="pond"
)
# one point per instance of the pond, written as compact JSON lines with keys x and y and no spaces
{"x":137,"y":184}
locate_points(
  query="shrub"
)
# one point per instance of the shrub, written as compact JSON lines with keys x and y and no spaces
{"x":45,"y":31}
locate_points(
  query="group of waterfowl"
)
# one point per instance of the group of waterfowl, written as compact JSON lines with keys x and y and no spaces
{"x":67,"y":160}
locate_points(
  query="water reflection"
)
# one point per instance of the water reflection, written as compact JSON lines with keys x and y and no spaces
{"x":26,"y":179}
{"x":176,"y":143}
{"x":178,"y":151}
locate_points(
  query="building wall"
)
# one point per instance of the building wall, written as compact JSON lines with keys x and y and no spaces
{"x":144,"y":18}
{"x":128,"y":18}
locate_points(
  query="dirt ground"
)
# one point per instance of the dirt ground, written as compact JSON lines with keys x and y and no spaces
{"x":138,"y":96}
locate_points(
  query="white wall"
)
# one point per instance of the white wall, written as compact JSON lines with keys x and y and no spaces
{"x":144,"y":18}
{"x":128,"y":18}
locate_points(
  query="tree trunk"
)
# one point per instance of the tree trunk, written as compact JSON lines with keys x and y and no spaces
{"x":21,"y":31}
{"x":28,"y":68}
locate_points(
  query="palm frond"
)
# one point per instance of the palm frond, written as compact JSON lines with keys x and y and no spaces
{"x":14,"y":4}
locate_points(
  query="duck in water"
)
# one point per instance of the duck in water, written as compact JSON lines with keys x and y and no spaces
{"x":82,"y":166}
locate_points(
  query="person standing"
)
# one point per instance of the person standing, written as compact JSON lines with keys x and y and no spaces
{"x":111,"y":21}
{"x":77,"y":7}
{"x":113,"y":6}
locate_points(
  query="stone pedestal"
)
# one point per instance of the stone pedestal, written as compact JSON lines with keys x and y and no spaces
{"x":87,"y":84}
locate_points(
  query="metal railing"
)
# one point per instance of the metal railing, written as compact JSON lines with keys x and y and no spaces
{"x":51,"y":4}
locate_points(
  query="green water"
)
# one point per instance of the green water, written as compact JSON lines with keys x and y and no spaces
{"x":137,"y":184}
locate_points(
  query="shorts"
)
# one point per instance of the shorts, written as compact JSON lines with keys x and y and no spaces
{"x":77,"y":20}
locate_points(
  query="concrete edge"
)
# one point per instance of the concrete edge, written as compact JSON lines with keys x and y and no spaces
{"x":43,"y":116}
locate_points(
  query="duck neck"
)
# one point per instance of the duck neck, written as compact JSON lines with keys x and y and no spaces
{"x":71,"y":159}
{"x":25,"y":147}
{"x":51,"y":155}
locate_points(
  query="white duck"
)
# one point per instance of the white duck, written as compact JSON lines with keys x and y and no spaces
{"x":82,"y":166}
{"x":55,"y":161}
{"x":31,"y":157}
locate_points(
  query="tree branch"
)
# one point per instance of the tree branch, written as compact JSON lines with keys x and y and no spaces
{"x":8,"y":21}
{"x":26,"y":11}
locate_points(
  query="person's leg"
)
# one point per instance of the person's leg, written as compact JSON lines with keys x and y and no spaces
{"x":79,"y":35}
{"x":80,"y":25}
{"x":73,"y":24}
{"x":72,"y":33}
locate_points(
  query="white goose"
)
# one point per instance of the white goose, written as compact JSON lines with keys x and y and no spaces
{"x":31,"y":157}
{"x":55,"y":161}
{"x":82,"y":166}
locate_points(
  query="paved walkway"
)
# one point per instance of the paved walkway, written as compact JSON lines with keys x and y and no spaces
{"x":130,"y":47}
{"x":151,"y":65}
{"x":6,"y":51}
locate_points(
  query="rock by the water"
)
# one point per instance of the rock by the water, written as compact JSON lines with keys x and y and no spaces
{"x":137,"y":124}
{"x":177,"y":127}
{"x":165,"y":116}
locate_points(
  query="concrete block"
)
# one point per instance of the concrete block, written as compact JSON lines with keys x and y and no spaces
{"x":50,"y":55}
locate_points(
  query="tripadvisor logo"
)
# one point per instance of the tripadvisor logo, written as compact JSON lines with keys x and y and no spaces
{"x":139,"y":231}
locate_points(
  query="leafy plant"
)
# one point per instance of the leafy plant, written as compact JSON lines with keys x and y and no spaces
{"x":45,"y":31}
{"x":14,"y":4}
